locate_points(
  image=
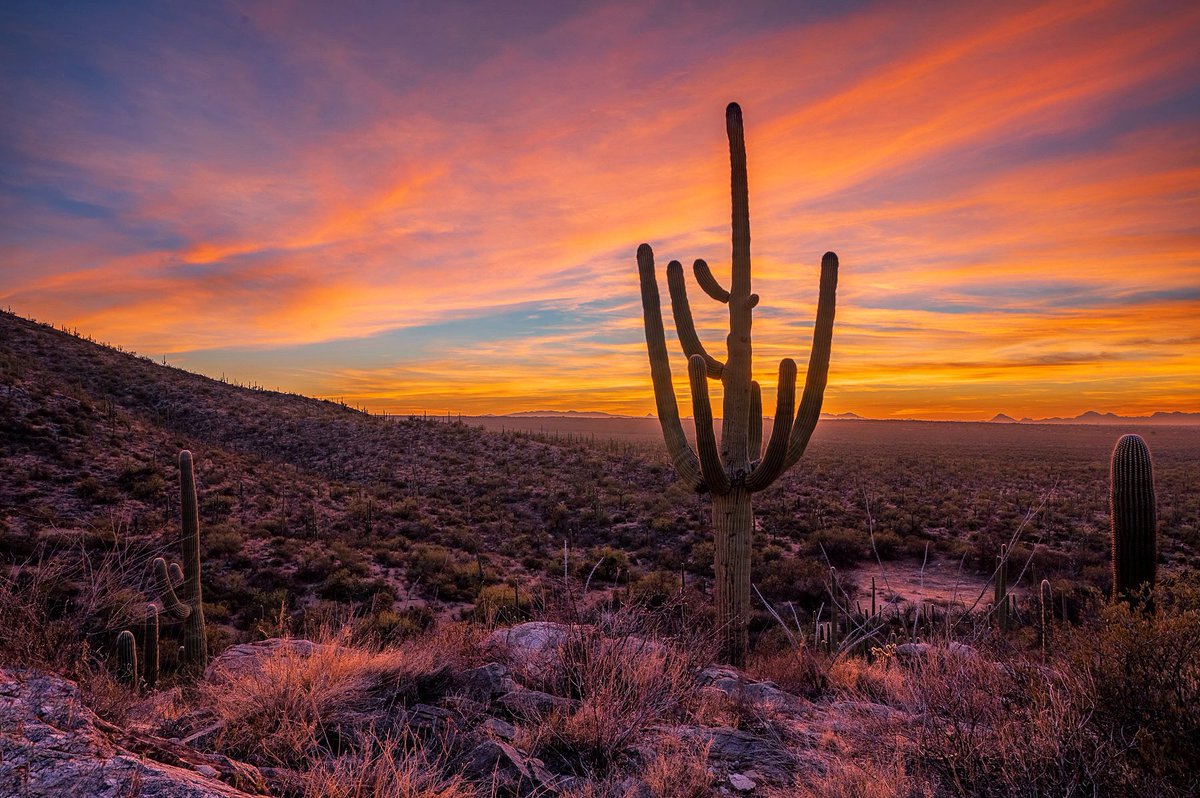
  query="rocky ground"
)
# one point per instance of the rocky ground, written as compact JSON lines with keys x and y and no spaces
{"x":488,"y":723}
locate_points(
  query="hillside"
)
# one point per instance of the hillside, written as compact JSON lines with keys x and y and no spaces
{"x":302,"y":499}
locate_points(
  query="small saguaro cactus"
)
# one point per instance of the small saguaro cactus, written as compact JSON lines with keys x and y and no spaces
{"x":737,"y":467}
{"x":127,"y":659}
{"x":186,"y":604}
{"x":150,"y":648}
{"x":1134,"y":541}
{"x":1045,"y":614}
{"x":1001,"y":602}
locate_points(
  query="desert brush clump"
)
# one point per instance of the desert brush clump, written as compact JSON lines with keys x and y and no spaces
{"x":738,"y":467}
{"x":305,"y":699}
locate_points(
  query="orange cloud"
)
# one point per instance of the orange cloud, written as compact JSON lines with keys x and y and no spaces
{"x":1011,"y":189}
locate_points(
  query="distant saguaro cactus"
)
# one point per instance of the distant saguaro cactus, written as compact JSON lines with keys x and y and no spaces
{"x":738,"y":468}
{"x":1001,"y":600}
{"x":1134,"y":542}
{"x":190,"y":608}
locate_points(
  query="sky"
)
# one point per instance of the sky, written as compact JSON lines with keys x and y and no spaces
{"x":436,"y":206}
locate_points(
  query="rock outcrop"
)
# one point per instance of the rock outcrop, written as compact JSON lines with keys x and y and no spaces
{"x":53,"y":745}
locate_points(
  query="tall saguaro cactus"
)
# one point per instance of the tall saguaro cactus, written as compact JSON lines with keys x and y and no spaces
{"x":186,"y":605}
{"x":1134,"y":545}
{"x":738,"y":467}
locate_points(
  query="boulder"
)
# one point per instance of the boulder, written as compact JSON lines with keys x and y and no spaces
{"x":533,"y":705}
{"x":734,"y":683}
{"x":487,"y":682}
{"x":533,"y":648}
{"x":507,"y":770}
{"x":246,"y":659}
{"x":917,"y":652}
{"x":51,"y":744}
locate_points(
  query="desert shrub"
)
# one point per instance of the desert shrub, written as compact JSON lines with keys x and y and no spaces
{"x":387,"y":768}
{"x":56,"y":606}
{"x":625,"y":684}
{"x":440,"y":574}
{"x":142,"y":481}
{"x":865,"y":777}
{"x":503,"y":604}
{"x":1018,"y":728}
{"x":296,"y":703}
{"x":777,"y":659}
{"x":95,"y":491}
{"x":222,"y":542}
{"x":606,"y":564}
{"x":678,"y":768}
{"x":888,"y":545}
{"x":840,"y":545}
{"x":1145,"y":673}
{"x":655,"y":590}
{"x":803,"y":580}
{"x":344,"y":585}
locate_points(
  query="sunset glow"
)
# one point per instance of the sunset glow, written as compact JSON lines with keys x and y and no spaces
{"x":419,"y":209}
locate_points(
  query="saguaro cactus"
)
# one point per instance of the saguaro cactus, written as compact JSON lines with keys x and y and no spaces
{"x":737,"y":468}
{"x":127,"y":660}
{"x":190,"y":607}
{"x":1134,"y":543}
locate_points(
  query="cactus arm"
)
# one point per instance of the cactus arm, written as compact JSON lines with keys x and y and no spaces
{"x":706,"y":440}
{"x":775,"y":460}
{"x":166,"y":592}
{"x":736,"y":378}
{"x":754,"y":441}
{"x":176,"y":574}
{"x":684,"y":326}
{"x":150,"y":647}
{"x":818,"y":362}
{"x":704,"y":277}
{"x":682,"y":456}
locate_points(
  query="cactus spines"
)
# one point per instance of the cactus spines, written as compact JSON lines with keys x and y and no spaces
{"x":179,"y":588}
{"x":150,"y":648}
{"x":127,"y":659}
{"x":736,"y":467}
{"x":1134,"y":543}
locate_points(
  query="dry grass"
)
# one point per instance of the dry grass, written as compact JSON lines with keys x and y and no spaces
{"x":624,"y":683}
{"x":57,"y":607}
{"x":679,"y":769}
{"x":388,"y":769}
{"x":882,"y":681}
{"x":863,"y":777}
{"x":295,"y":704}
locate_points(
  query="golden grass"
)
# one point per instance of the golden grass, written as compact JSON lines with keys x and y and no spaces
{"x":284,"y":710}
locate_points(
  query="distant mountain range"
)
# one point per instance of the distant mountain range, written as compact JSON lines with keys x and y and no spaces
{"x":1090,"y":417}
{"x":599,"y":414}
{"x":1093,"y":417}
{"x":562,"y":414}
